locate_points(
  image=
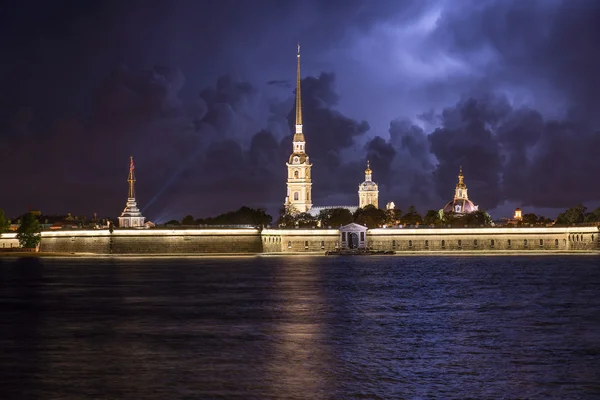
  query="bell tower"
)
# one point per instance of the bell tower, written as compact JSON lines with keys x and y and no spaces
{"x":299,"y":185}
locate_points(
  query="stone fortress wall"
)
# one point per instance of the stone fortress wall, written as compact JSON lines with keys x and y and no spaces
{"x":272,"y":241}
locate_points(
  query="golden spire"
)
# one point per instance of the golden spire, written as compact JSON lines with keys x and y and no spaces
{"x":298,"y":97}
{"x":461,"y":178}
{"x":368,"y":170}
{"x":131,"y":178}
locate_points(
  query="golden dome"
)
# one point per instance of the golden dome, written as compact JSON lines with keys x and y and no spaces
{"x":368,"y":170}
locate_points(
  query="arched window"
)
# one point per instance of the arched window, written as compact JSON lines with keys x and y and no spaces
{"x":393,"y":243}
{"x":475,"y":242}
{"x":296,"y":195}
{"x":296,"y":174}
{"x":556,"y":242}
{"x":508,"y":242}
{"x":306,"y":244}
{"x":427,"y":243}
{"x":410,"y":243}
{"x":289,"y":245}
{"x":565,"y":242}
{"x":492,"y":243}
{"x":459,"y":243}
{"x":525,"y":242}
{"x":322,"y":244}
{"x":541,"y":242}
{"x":443,"y":243}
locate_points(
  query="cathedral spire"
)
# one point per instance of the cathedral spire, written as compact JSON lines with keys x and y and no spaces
{"x":131,"y":179}
{"x":298,"y":100}
{"x":368,"y":171}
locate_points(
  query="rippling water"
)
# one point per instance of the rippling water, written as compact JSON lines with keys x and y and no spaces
{"x":300,"y":328}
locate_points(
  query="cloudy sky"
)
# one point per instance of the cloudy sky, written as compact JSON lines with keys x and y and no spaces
{"x":201,"y":93}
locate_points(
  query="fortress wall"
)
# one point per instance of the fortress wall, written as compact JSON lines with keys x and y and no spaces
{"x":8,"y":240}
{"x":507,"y":239}
{"x":246,"y":241}
{"x":98,"y":244}
{"x":300,"y":240}
{"x":153,"y":241}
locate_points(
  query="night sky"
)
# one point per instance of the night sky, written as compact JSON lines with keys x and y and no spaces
{"x":201,"y":93}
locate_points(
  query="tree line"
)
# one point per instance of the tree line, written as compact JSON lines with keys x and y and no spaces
{"x":243,"y":216}
{"x":373,"y":217}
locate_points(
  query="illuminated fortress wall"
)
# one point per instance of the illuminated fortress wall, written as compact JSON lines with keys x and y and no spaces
{"x":252,"y":241}
{"x":431,"y":240}
{"x":299,"y":240}
{"x":155,"y":241}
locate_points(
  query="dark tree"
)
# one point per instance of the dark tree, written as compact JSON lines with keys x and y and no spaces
{"x":305,"y":220}
{"x":173,"y":222}
{"x":335,"y":217}
{"x":477,"y":218}
{"x":432,"y":218}
{"x":28,"y":234}
{"x":111,"y":227}
{"x":243,"y":216}
{"x":286,"y":220}
{"x":370,"y":216}
{"x":188,"y":220}
{"x":4,"y":224}
{"x":574,"y":215}
{"x":530,"y":219}
{"x":412,"y":217}
{"x":593,"y":216}
{"x":393,"y":217}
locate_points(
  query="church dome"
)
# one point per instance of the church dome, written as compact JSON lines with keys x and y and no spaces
{"x":460,"y":206}
{"x":368,"y":185}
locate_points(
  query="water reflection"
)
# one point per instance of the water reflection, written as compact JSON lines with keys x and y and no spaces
{"x":296,"y":327}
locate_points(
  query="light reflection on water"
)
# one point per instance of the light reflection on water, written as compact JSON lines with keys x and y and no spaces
{"x":296,"y":328}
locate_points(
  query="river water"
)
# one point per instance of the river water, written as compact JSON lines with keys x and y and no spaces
{"x":300,"y":328}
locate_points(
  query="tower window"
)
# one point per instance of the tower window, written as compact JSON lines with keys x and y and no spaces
{"x":296,"y":195}
{"x":296,"y":160}
{"x":296,"y":174}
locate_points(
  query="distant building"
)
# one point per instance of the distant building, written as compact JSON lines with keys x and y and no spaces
{"x":368,"y":192}
{"x":460,"y":204}
{"x":131,"y":217}
{"x":518,"y":216}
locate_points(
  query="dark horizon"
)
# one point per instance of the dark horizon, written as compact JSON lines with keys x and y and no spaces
{"x":202,"y":97}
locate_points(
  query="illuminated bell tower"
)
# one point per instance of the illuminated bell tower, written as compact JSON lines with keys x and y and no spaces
{"x":131,"y":217}
{"x":299,"y":185}
{"x":368,"y":191}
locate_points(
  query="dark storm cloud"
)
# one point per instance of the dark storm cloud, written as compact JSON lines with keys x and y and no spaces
{"x":508,"y":89}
